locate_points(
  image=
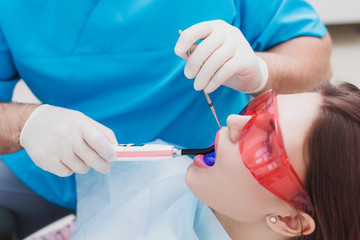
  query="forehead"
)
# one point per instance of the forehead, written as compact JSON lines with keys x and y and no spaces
{"x":296,"y":115}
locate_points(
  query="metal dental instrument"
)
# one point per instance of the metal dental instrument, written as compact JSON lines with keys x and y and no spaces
{"x":211,"y":106}
{"x":208,"y":99}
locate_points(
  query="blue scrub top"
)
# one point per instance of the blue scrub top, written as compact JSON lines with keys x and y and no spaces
{"x":114,"y":61}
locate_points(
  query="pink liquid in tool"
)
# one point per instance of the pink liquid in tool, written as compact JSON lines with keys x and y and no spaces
{"x":145,"y":154}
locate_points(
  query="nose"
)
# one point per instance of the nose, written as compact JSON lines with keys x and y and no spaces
{"x":235,"y":124}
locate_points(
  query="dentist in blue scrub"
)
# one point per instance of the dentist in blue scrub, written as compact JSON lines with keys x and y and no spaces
{"x":106,"y":72}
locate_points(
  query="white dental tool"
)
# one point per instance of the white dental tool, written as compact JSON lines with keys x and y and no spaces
{"x":154,"y":152}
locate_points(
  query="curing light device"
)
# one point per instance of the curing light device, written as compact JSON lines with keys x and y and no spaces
{"x":153,"y":152}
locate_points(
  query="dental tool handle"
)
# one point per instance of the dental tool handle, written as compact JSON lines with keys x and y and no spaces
{"x":147,"y":152}
{"x":202,"y":151}
{"x":154,"y":152}
{"x":208,"y":99}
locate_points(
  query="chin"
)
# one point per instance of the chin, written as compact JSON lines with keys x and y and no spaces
{"x":190,"y":177}
{"x":199,"y":189}
{"x":193,"y":183}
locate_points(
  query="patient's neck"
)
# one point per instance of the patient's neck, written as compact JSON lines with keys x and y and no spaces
{"x":246,"y":230}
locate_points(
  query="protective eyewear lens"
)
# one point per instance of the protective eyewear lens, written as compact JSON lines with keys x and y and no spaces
{"x":263,"y":152}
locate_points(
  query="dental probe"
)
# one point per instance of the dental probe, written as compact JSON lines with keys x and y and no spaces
{"x":154,"y":152}
{"x":208,"y":99}
{"x":211,"y":106}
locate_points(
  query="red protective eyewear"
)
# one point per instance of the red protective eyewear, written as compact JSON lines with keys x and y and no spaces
{"x":263,"y":152}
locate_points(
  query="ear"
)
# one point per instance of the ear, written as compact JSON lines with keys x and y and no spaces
{"x":290,"y":225}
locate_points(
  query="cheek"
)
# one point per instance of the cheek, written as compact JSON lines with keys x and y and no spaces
{"x":218,"y":186}
{"x":230,"y":189}
{"x":201,"y":181}
{"x":227,"y":187}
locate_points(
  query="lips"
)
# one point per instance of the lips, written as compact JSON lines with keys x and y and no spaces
{"x":199,"y":161}
{"x":209,"y":159}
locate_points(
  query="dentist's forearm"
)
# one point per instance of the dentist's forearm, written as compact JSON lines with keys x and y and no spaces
{"x":12,"y":119}
{"x":298,"y":64}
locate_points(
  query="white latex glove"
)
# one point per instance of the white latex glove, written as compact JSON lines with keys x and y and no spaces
{"x":64,"y":141}
{"x":224,"y":57}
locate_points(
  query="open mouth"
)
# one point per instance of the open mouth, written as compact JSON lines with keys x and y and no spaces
{"x":209,"y":159}
{"x":205,"y":160}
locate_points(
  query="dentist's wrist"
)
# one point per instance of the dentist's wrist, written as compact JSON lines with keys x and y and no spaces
{"x":264,"y":76}
{"x":34,"y":111}
{"x":12,"y":119}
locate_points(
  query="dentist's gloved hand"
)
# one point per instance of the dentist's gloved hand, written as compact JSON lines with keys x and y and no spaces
{"x":64,"y":141}
{"x":224,"y":57}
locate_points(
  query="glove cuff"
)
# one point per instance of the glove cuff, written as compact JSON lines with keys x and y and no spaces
{"x":39,"y":109}
{"x":264,"y":76}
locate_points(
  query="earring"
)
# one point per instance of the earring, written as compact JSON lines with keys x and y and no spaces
{"x":273,"y":219}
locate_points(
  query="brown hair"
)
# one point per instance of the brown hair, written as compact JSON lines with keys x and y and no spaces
{"x":333,"y":174}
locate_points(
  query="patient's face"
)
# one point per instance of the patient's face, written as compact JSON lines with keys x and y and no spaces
{"x":228,"y":187}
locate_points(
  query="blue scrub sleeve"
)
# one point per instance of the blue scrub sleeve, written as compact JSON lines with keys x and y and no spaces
{"x":8,"y":74}
{"x":20,"y":163}
{"x":266,"y":24}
